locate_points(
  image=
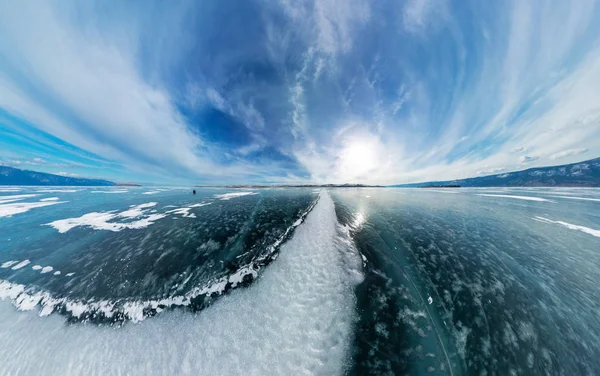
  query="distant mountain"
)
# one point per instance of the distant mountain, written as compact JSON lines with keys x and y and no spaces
{"x":582,"y":174}
{"x":15,"y":176}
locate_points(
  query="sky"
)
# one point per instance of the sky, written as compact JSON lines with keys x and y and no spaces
{"x":286,"y":91}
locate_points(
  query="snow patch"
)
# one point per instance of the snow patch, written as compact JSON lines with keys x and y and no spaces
{"x":8,"y":264}
{"x":185,"y":211}
{"x":100,"y":221}
{"x":58,"y":190}
{"x":578,"y":198}
{"x":229,"y":196}
{"x":115,"y":191}
{"x":21,"y":265}
{"x":11,"y":198}
{"x":570,"y":226}
{"x":8,"y":210}
{"x":136,"y":211}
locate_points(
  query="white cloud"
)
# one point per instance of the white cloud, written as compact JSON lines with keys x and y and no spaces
{"x":420,"y":15}
{"x":330,"y":23}
{"x":403,"y":96}
{"x":528,"y":158}
{"x":567,"y":153}
{"x":215,"y":99}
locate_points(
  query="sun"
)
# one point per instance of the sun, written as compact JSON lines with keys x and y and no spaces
{"x":357,"y":159}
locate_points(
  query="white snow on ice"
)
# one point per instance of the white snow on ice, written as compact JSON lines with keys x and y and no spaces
{"x":7,"y":210}
{"x":11,"y":198}
{"x":297,"y":318}
{"x":528,"y":198}
{"x":136,"y":210}
{"x":570,"y":226}
{"x":100,"y":221}
{"x":47,"y":269}
{"x":49,"y":199}
{"x":110,"y":220}
{"x":579,"y":198}
{"x":58,"y":190}
{"x":115,"y":191}
{"x":21,"y":265}
{"x":185,"y":211}
{"x":8,"y":264}
{"x":229,"y":196}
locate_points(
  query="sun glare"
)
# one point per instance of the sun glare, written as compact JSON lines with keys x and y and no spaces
{"x":357,"y":159}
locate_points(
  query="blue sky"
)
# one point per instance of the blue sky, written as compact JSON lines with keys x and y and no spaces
{"x":222,"y":92}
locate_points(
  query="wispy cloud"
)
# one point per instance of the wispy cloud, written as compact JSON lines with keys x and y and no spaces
{"x":528,"y":158}
{"x":568,"y":153}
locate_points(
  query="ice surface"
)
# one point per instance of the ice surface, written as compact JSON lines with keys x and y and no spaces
{"x":441,"y":190}
{"x":138,"y":310}
{"x":570,"y":226}
{"x":528,"y":198}
{"x":49,"y":199}
{"x":229,"y":196}
{"x":296,"y":319}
